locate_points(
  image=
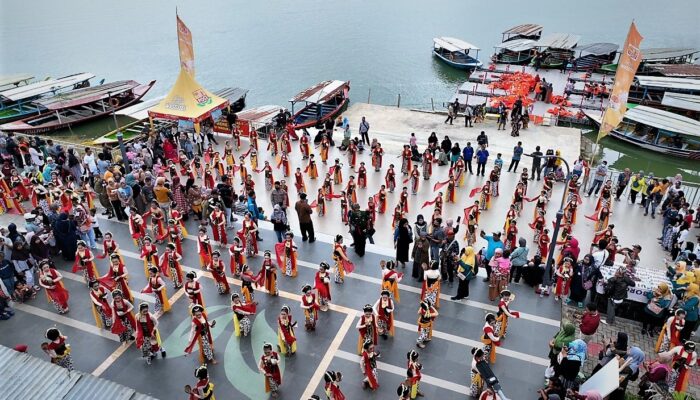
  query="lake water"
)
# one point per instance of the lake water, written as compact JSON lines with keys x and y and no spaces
{"x":277,"y":48}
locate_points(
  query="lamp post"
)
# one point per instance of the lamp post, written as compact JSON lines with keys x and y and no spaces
{"x":557,"y":224}
{"x":120,"y":136}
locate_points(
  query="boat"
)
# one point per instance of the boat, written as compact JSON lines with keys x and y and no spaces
{"x":554,"y":50}
{"x":236,"y":100}
{"x":261,"y":119}
{"x":81,"y":105}
{"x":593,"y":56}
{"x":516,"y":51}
{"x":673,"y":70}
{"x":140,"y":125}
{"x":456,"y":53}
{"x":650,"y":90}
{"x":14,"y":80}
{"x":522,"y":31}
{"x":657,"y":130}
{"x":660,"y":55}
{"x":322,"y":101}
{"x":21,"y":101}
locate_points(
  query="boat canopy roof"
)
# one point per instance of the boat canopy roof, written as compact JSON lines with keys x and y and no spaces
{"x":662,"y":53}
{"x":87,"y":95}
{"x":664,"y":120}
{"x":260,"y":116}
{"x":14,"y":79}
{"x":517,"y":45}
{"x":559,"y":41}
{"x":139,"y":111}
{"x":320,"y":92}
{"x":232,"y":94}
{"x":524,"y":30}
{"x":668,"y":83}
{"x":453,"y":44}
{"x":597,"y":49}
{"x":676,"y":70}
{"x":681,"y":100}
{"x":39,"y":88}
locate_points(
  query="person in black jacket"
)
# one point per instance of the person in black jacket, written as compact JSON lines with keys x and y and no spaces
{"x":616,"y":292}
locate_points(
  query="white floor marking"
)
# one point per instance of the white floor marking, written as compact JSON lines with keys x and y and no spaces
{"x":401,"y":371}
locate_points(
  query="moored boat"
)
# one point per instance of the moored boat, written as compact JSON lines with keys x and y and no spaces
{"x":516,"y":51}
{"x":321,"y":102}
{"x":593,"y":56}
{"x":21,"y":101}
{"x":457,"y":53}
{"x":79,"y":106}
{"x":14,"y":81}
{"x":658,"y":130}
{"x":660,"y":55}
{"x":262,"y":119}
{"x":650,"y":90}
{"x":554,"y":50}
{"x":522,"y":31}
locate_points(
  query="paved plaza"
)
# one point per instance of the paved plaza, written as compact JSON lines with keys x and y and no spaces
{"x":446,"y":359}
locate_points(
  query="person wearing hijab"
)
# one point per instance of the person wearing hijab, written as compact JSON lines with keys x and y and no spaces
{"x":465,"y":272}
{"x":629,"y":373}
{"x":689,"y":303}
{"x":66,"y":234}
{"x":566,"y":335}
{"x":580,"y":275}
{"x":655,"y":310}
{"x":420,"y":227}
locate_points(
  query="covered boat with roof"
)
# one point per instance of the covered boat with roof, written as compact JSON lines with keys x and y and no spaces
{"x":323,"y":101}
{"x":456,"y":53}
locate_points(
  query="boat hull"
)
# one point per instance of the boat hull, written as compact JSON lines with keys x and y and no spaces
{"x":512,"y":60}
{"x":692,"y":154}
{"x":308,"y":123}
{"x":9,"y":115}
{"x":23,"y":127}
{"x":464,"y":66}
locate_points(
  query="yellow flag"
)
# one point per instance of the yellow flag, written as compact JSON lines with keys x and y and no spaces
{"x":184,"y":43}
{"x":630,"y":57}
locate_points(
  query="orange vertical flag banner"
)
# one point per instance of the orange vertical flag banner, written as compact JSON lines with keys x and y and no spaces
{"x":630,"y":57}
{"x":184,"y":43}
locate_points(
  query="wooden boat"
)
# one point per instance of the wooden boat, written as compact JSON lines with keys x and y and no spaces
{"x":456,"y":53}
{"x":321,"y":102}
{"x":650,"y":90}
{"x":593,"y":56}
{"x":14,"y":81}
{"x":522,"y":31}
{"x":515,"y":51}
{"x":660,"y":55}
{"x":21,"y":101}
{"x":140,"y":125}
{"x":79,"y":106}
{"x":554,"y":50}
{"x":658,"y":130}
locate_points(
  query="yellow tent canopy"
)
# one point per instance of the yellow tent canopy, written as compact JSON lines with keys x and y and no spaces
{"x":188,"y":101}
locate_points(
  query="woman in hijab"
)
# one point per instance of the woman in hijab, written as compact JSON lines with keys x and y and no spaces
{"x":577,"y":290}
{"x":566,"y":335}
{"x":66,"y":233}
{"x":420,"y":255}
{"x":420,"y":227}
{"x":38,"y":248}
{"x":402,"y":241}
{"x":690,"y":305}
{"x":571,"y":249}
{"x":629,"y":373}
{"x":655,"y":310}
{"x":465,"y":272}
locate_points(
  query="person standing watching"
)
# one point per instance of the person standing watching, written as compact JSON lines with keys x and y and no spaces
{"x":494,"y":242}
{"x":304,"y":212}
{"x":600,"y":173}
{"x":622,"y":180}
{"x":517,"y":153}
{"x":468,"y":154}
{"x":536,"y":163}
{"x":616,"y":292}
{"x":482,"y":140}
{"x":364,"y":131}
{"x":482,"y":156}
